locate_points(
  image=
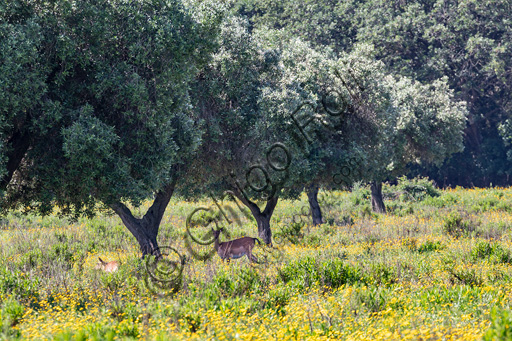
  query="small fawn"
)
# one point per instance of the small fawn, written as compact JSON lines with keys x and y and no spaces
{"x":107,"y":266}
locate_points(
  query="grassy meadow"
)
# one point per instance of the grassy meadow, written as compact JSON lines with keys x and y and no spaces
{"x":436,"y":266}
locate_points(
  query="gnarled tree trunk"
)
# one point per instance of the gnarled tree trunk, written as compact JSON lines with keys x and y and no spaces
{"x":316,"y":212}
{"x":264,"y":231}
{"x":145,"y":229}
{"x":262,"y":218}
{"x":377,"y":201}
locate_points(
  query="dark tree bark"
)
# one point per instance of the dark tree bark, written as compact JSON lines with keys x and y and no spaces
{"x":377,"y":201}
{"x":316,"y":212}
{"x":262,"y":218}
{"x":145,"y":229}
{"x":17,"y":146}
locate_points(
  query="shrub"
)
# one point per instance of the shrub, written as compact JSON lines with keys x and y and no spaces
{"x":292,"y":233}
{"x":278,"y":298}
{"x":410,"y":243}
{"x":429,"y":246}
{"x":501,"y":325}
{"x":17,"y":284}
{"x":62,"y":251}
{"x":192,"y":322}
{"x":441,"y":201}
{"x":229,"y":286}
{"x":492,"y":251}
{"x":373,"y":298}
{"x":335,"y":273}
{"x":113,"y":281}
{"x":465,"y":276}
{"x":30,"y":259}
{"x":360,"y":194}
{"x":455,"y":225}
{"x":128,"y":328}
{"x":306,"y":272}
{"x":12,"y":312}
{"x":416,"y":189}
{"x":380,"y":274}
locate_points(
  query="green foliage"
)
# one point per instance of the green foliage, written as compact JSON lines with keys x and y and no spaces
{"x":417,"y":188}
{"x":18,"y":285}
{"x":430,"y":246}
{"x":465,"y":276}
{"x":94,"y":331}
{"x":305,"y":272}
{"x":494,"y":252}
{"x":444,"y":200}
{"x":380,"y":274}
{"x":290,"y":233}
{"x":335,"y":274}
{"x":109,"y":113}
{"x":373,"y":298}
{"x":227,"y":286}
{"x":443,"y":38}
{"x":456,"y":225}
{"x":279,"y":298}
{"x":501,"y":325}
{"x":424,"y":41}
{"x":11,"y":314}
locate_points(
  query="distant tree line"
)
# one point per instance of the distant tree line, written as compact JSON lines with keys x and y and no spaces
{"x":468,"y":41}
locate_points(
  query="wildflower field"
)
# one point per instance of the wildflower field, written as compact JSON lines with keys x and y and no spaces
{"x":436,"y":266}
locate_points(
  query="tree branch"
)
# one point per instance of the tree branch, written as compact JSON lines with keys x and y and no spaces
{"x":155,"y":213}
{"x":252,"y":206}
{"x":126,"y":216}
{"x":270,"y":206}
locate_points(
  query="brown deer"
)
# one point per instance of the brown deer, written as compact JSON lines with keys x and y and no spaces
{"x":235,"y":248}
{"x":107,"y":266}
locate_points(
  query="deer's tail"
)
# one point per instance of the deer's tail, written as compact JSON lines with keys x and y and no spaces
{"x":256,"y":239}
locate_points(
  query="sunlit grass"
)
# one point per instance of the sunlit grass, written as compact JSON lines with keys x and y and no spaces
{"x":363,"y":276}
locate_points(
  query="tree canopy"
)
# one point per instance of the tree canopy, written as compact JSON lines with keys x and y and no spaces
{"x":96,"y":103}
{"x":467,"y":41}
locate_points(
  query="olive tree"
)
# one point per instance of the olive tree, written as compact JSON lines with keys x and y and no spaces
{"x":249,"y":97}
{"x":417,"y":123}
{"x":386,"y":123}
{"x":95,"y":105}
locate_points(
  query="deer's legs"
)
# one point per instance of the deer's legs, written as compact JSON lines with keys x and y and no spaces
{"x":251,"y":257}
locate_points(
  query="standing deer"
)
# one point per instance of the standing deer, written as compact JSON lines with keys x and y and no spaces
{"x":107,"y":266}
{"x":235,"y":248}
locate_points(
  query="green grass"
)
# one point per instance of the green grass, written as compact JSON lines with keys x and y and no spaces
{"x":432,"y":267}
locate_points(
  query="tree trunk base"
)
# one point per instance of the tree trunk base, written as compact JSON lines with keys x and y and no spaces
{"x":316,"y":212}
{"x":377,"y":201}
{"x":264,"y":231}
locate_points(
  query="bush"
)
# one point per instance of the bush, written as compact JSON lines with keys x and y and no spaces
{"x":442,"y":201}
{"x":241,"y":285}
{"x":455,"y":225}
{"x":278,"y":298}
{"x":11,"y":313}
{"x":465,"y":276}
{"x":429,"y":246}
{"x":306,"y":272}
{"x":380,"y":274}
{"x":335,"y":273}
{"x":416,"y":189}
{"x":492,"y":251}
{"x":501,"y":325}
{"x":360,"y":194}
{"x":292,"y":233}
{"x":17,"y":284}
{"x":373,"y":298}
